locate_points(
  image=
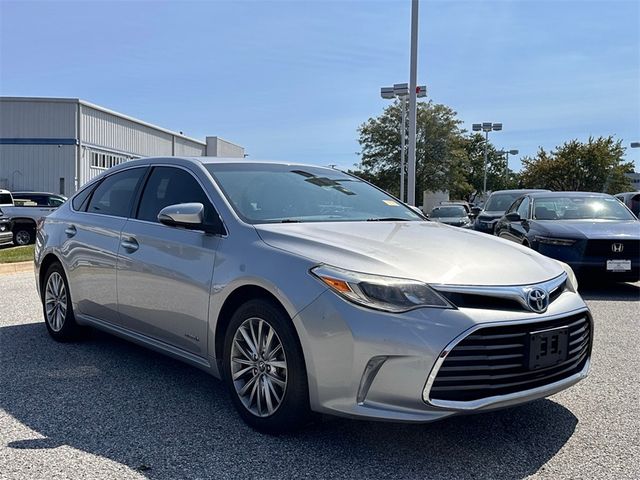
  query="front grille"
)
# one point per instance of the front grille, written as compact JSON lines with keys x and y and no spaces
{"x":603,"y":248}
{"x":471,"y":300}
{"x":493,"y":361}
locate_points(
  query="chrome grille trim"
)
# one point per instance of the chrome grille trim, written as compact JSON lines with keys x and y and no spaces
{"x":516,"y":293}
{"x":504,"y":398}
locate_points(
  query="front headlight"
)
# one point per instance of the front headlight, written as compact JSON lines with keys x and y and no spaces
{"x":565,"y":242}
{"x":382,"y":293}
{"x":572,"y":281}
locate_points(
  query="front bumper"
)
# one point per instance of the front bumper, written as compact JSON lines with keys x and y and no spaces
{"x":362,"y":363}
{"x":592,"y":266}
{"x":6,"y":235}
{"x":485,"y":226}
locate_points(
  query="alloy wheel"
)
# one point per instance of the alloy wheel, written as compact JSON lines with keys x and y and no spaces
{"x":55,"y":301}
{"x":258,"y":367}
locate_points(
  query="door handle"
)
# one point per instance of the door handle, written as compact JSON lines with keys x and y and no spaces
{"x":70,"y":230}
{"x":130,"y":245}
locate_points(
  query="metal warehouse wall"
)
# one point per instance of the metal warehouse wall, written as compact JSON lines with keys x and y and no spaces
{"x":188,"y":148}
{"x":52,"y":119}
{"x":106,"y":130}
{"x":37,"y":167}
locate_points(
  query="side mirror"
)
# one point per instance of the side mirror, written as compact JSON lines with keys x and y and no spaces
{"x":187,"y":215}
{"x":513,"y":217}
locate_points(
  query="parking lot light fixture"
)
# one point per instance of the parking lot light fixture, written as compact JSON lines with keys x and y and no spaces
{"x":486,"y":127}
{"x":506,"y":154}
{"x":635,"y":144}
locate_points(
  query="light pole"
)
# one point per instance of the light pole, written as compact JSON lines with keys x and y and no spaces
{"x":413,"y":90}
{"x":401,"y":91}
{"x":506,"y":153}
{"x":486,"y":127}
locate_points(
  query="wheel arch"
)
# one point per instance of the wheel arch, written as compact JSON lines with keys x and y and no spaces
{"x":234,"y":300}
{"x":48,"y":260}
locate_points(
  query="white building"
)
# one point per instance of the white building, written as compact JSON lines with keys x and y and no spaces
{"x":57,"y":144}
{"x":635,"y":180}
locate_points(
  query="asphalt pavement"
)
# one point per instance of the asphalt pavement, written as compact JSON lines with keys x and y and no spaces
{"x":105,"y":409}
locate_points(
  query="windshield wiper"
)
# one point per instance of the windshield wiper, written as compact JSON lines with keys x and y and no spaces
{"x":388,"y":219}
{"x":289,"y":220}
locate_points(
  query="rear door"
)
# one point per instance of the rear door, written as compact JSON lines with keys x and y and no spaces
{"x":92,"y":243}
{"x":164,"y":273}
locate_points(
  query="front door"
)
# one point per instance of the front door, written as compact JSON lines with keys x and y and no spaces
{"x":164,"y":273}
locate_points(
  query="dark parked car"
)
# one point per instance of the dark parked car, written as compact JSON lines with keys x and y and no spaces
{"x":454,"y":215}
{"x":593,"y":232}
{"x":495,"y":206}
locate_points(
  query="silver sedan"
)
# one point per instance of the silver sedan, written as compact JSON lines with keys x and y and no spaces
{"x":310,"y":291}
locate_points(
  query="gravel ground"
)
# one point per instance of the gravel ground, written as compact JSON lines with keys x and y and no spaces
{"x":104,"y":408}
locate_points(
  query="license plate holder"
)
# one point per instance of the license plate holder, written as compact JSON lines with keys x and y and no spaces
{"x":548,"y":347}
{"x":618,"y":265}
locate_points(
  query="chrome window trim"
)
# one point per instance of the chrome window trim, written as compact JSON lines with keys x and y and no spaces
{"x":517,"y":293}
{"x":99,"y":179}
{"x":483,"y":402}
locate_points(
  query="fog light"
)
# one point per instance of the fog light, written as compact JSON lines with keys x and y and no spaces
{"x":370,"y":372}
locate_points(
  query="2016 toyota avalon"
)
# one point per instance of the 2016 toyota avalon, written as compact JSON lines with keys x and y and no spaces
{"x":309,"y":290}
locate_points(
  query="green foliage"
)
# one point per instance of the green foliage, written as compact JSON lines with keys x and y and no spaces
{"x":594,"y":166}
{"x":446,"y":158}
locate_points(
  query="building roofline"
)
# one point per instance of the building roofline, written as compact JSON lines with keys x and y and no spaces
{"x":105,"y":110}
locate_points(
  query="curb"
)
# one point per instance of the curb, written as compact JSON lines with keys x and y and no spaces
{"x":16,"y":267}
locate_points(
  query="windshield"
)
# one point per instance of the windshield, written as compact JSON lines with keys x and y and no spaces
{"x":580,"y":208}
{"x":441,"y":212}
{"x":271,"y":193}
{"x":499,"y":202}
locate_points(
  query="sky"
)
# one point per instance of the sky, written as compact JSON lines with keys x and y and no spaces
{"x":293,"y":80}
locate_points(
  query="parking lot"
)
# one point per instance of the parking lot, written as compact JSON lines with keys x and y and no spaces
{"x":104,"y":408}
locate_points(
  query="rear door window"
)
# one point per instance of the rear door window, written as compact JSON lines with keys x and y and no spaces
{"x":115,"y":194}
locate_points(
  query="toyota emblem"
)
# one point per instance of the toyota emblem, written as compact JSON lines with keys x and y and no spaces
{"x":538,"y":300}
{"x":617,"y":247}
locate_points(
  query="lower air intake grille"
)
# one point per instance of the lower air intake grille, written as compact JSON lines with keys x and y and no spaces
{"x":496,"y":360}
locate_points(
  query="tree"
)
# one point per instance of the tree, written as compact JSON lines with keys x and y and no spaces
{"x":446,"y":159}
{"x":594,"y":166}
{"x":498,"y":176}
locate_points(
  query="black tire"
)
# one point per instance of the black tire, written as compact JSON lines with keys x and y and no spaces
{"x":68,"y":330}
{"x":293,"y":411}
{"x":23,"y":235}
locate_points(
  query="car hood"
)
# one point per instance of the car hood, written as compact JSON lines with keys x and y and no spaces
{"x":427,"y":251}
{"x":491,"y":214}
{"x":592,"y":229}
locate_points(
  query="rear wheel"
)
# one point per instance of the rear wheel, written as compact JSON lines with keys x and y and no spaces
{"x":264,"y":368}
{"x":56,"y":305}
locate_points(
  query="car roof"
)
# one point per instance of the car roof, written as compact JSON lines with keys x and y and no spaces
{"x":568,"y":194}
{"x":522,"y":191}
{"x":36,"y":193}
{"x":207,"y":161}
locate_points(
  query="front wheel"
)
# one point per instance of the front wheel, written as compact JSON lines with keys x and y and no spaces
{"x":264,"y":368}
{"x":56,"y":305}
{"x":23,"y":235}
